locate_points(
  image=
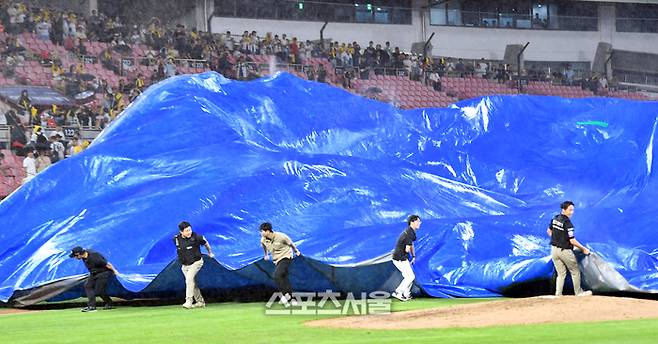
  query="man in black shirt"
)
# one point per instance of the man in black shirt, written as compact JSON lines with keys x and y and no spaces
{"x":99,"y":273}
{"x":188,"y":248}
{"x":403,"y":247}
{"x":562,"y":242}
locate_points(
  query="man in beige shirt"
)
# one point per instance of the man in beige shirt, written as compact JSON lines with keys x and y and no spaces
{"x":281,"y":247}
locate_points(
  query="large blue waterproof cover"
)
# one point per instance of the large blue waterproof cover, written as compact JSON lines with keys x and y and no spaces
{"x":339,"y":174}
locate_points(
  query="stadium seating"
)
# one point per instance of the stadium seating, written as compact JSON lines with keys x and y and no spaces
{"x":471,"y":87}
{"x":403,"y":92}
{"x":546,"y":88}
{"x":11,"y":179}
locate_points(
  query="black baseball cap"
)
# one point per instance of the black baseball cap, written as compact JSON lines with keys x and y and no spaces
{"x":76,"y":250}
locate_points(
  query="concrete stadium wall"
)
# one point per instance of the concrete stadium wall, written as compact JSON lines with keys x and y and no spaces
{"x":467,"y":42}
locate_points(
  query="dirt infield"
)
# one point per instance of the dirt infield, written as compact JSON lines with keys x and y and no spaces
{"x":10,"y":311}
{"x":534,"y":310}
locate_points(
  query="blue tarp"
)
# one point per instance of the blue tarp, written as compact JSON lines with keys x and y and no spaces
{"x":340,"y":174}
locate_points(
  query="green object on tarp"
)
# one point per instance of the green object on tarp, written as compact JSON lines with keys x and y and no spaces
{"x":598,"y":123}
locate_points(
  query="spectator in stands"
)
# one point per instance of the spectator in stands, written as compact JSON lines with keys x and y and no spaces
{"x":43,"y":30}
{"x":94,"y":23}
{"x":102,"y":119}
{"x":81,"y":31}
{"x":17,"y":14}
{"x":322,"y":74}
{"x":83,"y":117}
{"x":415,"y":71}
{"x":39,"y":138}
{"x":24,"y":102}
{"x":56,"y":147}
{"x":159,"y":71}
{"x":345,"y":58}
{"x":538,"y":23}
{"x":8,"y":67}
{"x":4,"y":169}
{"x":397,"y":58}
{"x":333,"y":54}
{"x":280,"y":49}
{"x":381,"y":58}
{"x":75,"y":146}
{"x":229,"y":42}
{"x":482,"y":68}
{"x":285,"y":44}
{"x":43,"y":160}
{"x":369,"y":54}
{"x":435,"y":80}
{"x":308,"y":50}
{"x":254,"y":43}
{"x":460,"y":68}
{"x":30,"y":166}
{"x":294,"y":51}
{"x":14,"y":46}
{"x":12,"y":12}
{"x":317,"y":50}
{"x":603,"y":84}
{"x":180,"y":41}
{"x":136,"y":36}
{"x":501,"y":73}
{"x":569,"y":74}
{"x":345,"y":78}
{"x":169,"y":68}
{"x":594,"y":84}
{"x":57,"y":31}
{"x":310,"y":73}
{"x":356,"y":55}
{"x":68,"y":25}
{"x":387,"y":49}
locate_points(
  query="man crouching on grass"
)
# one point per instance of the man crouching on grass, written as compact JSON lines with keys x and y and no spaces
{"x":281,"y":248}
{"x":100,"y":272}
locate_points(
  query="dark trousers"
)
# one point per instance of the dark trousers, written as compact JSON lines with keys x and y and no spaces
{"x":281,"y":276}
{"x":95,"y":286}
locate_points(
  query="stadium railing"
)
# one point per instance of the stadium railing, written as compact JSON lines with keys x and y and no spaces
{"x":5,"y":134}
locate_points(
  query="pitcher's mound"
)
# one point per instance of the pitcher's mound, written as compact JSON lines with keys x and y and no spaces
{"x":534,"y":310}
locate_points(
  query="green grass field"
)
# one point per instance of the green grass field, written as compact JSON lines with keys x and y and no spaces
{"x":247,"y":323}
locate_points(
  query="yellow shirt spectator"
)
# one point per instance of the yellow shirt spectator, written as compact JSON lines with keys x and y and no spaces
{"x":57,"y":71}
{"x":78,"y":148}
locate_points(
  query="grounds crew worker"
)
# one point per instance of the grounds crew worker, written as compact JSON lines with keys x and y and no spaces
{"x":562,"y":242}
{"x":99,"y":272}
{"x":188,"y":247}
{"x":403,"y":247}
{"x":281,"y":247}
